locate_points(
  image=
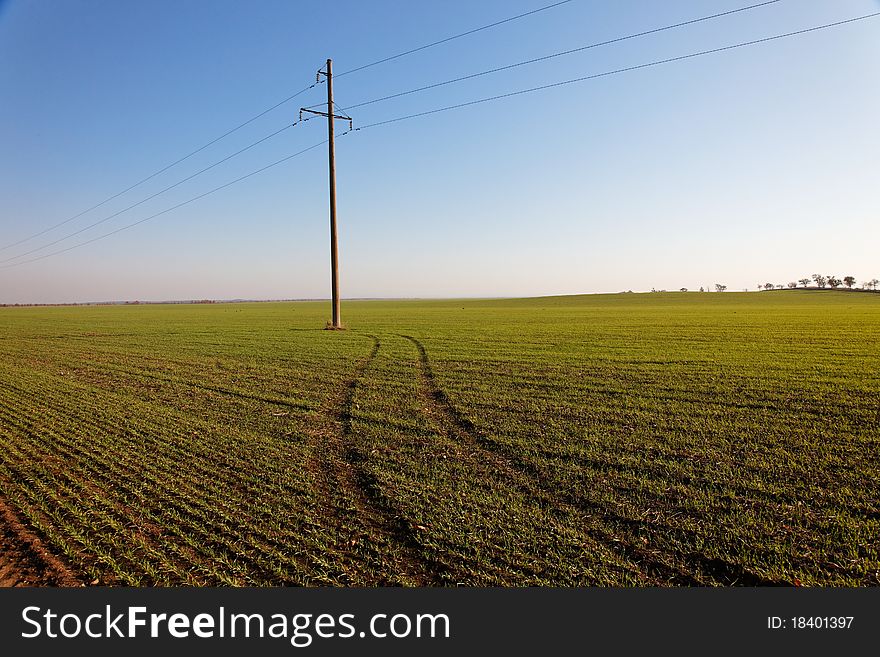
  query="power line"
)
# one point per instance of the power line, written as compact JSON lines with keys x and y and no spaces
{"x":167,"y":210}
{"x":452,"y":38}
{"x":620,"y":70}
{"x":148,"y":198}
{"x":564,"y":52}
{"x":274,"y":107}
{"x":460,"y":105}
{"x":160,"y":171}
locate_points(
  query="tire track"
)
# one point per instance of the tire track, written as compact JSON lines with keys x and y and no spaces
{"x":657,"y":562}
{"x":358,"y":511}
{"x":528,"y":481}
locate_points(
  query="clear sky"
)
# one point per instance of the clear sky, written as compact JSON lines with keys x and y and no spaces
{"x":754,"y":165}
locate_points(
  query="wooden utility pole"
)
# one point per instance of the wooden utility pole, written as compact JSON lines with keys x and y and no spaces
{"x":334,"y":244}
{"x":334,"y":248}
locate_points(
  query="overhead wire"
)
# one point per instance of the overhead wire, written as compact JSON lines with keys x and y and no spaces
{"x":563,"y":53}
{"x":466,"y":104}
{"x":270,"y":109}
{"x":167,"y":210}
{"x":150,"y":197}
{"x":621,"y":70}
{"x":160,"y":171}
{"x":452,"y":38}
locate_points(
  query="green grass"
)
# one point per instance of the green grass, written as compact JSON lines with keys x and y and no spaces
{"x":599,"y":440}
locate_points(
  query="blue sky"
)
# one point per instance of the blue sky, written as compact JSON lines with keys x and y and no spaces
{"x":754,"y":165}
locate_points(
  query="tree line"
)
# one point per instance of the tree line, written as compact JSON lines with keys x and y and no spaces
{"x":822,"y":281}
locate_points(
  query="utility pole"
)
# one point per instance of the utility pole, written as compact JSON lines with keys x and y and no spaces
{"x":334,"y":245}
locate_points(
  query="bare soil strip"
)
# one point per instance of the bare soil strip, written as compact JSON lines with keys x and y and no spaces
{"x":24,"y":560}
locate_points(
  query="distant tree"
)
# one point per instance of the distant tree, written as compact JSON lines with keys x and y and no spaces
{"x":834,"y":282}
{"x":702,"y":290}
{"x":768,"y":286}
{"x":874,"y":282}
{"x":684,"y":289}
{"x":792,"y":285}
{"x":719,"y":287}
{"x":849,"y":281}
{"x":804,"y":281}
{"x":820,"y":280}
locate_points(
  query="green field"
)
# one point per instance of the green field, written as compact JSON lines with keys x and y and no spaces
{"x":637,"y":439}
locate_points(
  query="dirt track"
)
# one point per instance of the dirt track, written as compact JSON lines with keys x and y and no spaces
{"x":24,"y":560}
